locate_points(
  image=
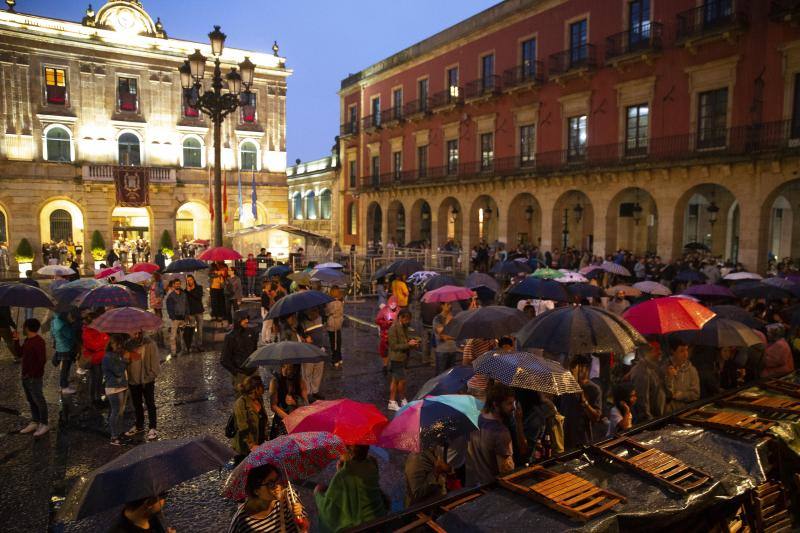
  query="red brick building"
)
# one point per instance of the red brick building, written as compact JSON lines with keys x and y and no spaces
{"x":636,"y":124}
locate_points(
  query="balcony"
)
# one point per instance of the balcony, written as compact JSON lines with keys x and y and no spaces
{"x":784,"y":10}
{"x":575,"y":61}
{"x":371,"y":123}
{"x":640,"y":43}
{"x":417,"y":109}
{"x":392,"y":117}
{"x":106,"y":173}
{"x":523,"y":77}
{"x":484,"y":87}
{"x":447,"y":99}
{"x":713,"y":20}
{"x":349,"y":128}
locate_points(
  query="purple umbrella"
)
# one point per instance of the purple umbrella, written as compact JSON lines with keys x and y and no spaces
{"x":22,"y":295}
{"x":108,"y":296}
{"x":126,"y":320}
{"x":709,"y":290}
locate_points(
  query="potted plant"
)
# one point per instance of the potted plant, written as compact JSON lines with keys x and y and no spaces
{"x":24,"y":256}
{"x":165,"y":244}
{"x":98,"y":246}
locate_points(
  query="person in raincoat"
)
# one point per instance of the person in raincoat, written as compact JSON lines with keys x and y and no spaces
{"x":384,"y":320}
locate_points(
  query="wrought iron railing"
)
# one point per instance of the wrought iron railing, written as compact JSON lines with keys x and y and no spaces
{"x":349,"y":128}
{"x":642,"y":38}
{"x":712,"y":17}
{"x":484,"y":86}
{"x":528,"y":73}
{"x":450,"y":96}
{"x":577,"y":57}
{"x":416,"y":107}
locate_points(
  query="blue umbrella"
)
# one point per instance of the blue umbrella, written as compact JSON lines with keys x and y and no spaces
{"x":83,"y":283}
{"x":22,"y":295}
{"x":451,"y":381}
{"x":299,"y":301}
{"x":110,"y":295}
{"x":543,"y":289}
{"x":189,"y":264}
{"x":437,"y":282}
{"x":485,"y":294}
{"x":510,"y":268}
{"x":279,"y":270}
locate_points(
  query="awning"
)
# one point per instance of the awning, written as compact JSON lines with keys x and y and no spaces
{"x":282,"y":227}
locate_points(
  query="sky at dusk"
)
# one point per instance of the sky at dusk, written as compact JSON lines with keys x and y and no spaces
{"x":323,"y":41}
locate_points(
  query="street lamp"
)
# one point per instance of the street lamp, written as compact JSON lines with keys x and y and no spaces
{"x":712,"y":210}
{"x":216,"y":104}
{"x":637,"y":213}
{"x":578,"y":212}
{"x":453,"y":214}
{"x":529,"y":213}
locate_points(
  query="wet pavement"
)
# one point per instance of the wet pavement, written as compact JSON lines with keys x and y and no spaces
{"x":194,"y":397}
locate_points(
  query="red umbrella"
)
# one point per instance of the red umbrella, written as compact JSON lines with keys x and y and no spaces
{"x":448,"y":293}
{"x":220,"y":253}
{"x":145,"y":267}
{"x":107,"y":272}
{"x":665,"y":315}
{"x":353,"y":422}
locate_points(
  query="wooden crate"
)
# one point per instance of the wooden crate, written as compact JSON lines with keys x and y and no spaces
{"x":782,"y":386}
{"x":770,"y":508}
{"x":729,"y":421}
{"x":770,"y":405}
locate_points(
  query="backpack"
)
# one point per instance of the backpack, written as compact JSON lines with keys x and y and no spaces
{"x":230,"y":427}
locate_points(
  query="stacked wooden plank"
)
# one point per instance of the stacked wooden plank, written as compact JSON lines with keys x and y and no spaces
{"x":782,"y":386}
{"x":729,"y":421}
{"x":770,"y":405}
{"x":770,"y":510}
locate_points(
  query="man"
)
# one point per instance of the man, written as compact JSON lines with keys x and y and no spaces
{"x":334,"y":311}
{"x":314,"y":332}
{"x":233,"y":291}
{"x":680,"y":377}
{"x":425,"y":474}
{"x":177,"y":308}
{"x":489,"y":450}
{"x":581,"y":410}
{"x":400,"y":344}
{"x":649,"y":384}
{"x":142,"y":515}
{"x":261,"y":259}
{"x":239,"y":343}
{"x":161,"y":259}
{"x":446,"y":348}
{"x":33,"y":354}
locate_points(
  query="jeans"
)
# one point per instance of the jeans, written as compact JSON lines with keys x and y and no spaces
{"x":174,"y":333}
{"x":445,"y":360}
{"x":95,"y":383}
{"x":312,"y":374}
{"x":251,"y":285}
{"x":66,"y":359}
{"x":33,"y":393}
{"x":197,"y":321}
{"x":336,"y":345}
{"x":146,"y":391}
{"x":116,"y":412}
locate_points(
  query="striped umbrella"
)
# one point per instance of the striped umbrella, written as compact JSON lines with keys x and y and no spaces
{"x":613,"y":268}
{"x":126,"y":320}
{"x":527,"y":371}
{"x":108,"y":296}
{"x":652,"y":287}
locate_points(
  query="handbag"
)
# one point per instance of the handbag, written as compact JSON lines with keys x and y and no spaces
{"x":230,"y":427}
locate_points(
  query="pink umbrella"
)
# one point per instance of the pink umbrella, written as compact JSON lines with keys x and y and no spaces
{"x":108,"y":272}
{"x":145,"y":267}
{"x":448,"y":293}
{"x":219,"y":253}
{"x":126,"y":320}
{"x":587,"y":269}
{"x":353,"y":422}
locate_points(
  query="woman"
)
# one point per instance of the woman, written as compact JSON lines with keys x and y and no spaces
{"x":620,"y":418}
{"x":94,"y":344}
{"x":287,"y":392}
{"x":251,"y":419}
{"x":194,"y":296}
{"x":115,"y":363}
{"x":334,"y":311}
{"x":269,"y":507}
{"x":65,"y":339}
{"x":217,"y":276}
{"x":268,"y":291}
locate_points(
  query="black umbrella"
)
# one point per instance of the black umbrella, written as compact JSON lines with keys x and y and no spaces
{"x":734,"y":312}
{"x":490,"y":322}
{"x":511,"y":268}
{"x":476,"y":279}
{"x":299,"y":301}
{"x":721,"y":333}
{"x":485,"y":294}
{"x":543,"y":289}
{"x":279,"y":270}
{"x":22,"y":295}
{"x":579,"y":329}
{"x":758,"y":289}
{"x":65,"y":298}
{"x":284,"y":353}
{"x":401,"y":268}
{"x":189,"y":264}
{"x":139,"y":292}
{"x":451,"y":381}
{"x":439,"y":281}
{"x":145,"y":471}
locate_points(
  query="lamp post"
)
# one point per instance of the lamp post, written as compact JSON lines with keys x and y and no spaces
{"x":216,"y":104}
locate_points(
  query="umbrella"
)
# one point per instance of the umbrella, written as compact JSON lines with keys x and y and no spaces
{"x":104,"y":273}
{"x":652,"y":287}
{"x":613,"y":268}
{"x":220,"y":253}
{"x":579,"y":329}
{"x":65,"y":297}
{"x":109,"y":296}
{"x":547,"y":273}
{"x":476,"y":279}
{"x":301,"y":455}
{"x":330,"y":265}
{"x":739,"y":276}
{"x":401,"y":268}
{"x":490,"y":322}
{"x":721,"y":332}
{"x":783,"y":283}
{"x":189,"y":264}
{"x":451,"y":381}
{"x":126,"y":320}
{"x":696,"y":246}
{"x":22,"y":295}
{"x":709,"y":290}
{"x":510,"y":268}
{"x":447,"y":293}
{"x":147,"y":470}
{"x":690,"y":276}
{"x":589,"y":269}
{"x":329,"y":276}
{"x":55,"y":270}
{"x":484,"y":293}
{"x":543,"y":289}
{"x":571,"y":277}
{"x":438,"y":281}
{"x":758,"y":289}
{"x":425,"y":423}
{"x":627,"y":290}
{"x":138,"y":277}
{"x":353,"y":422}
{"x":584,"y":290}
{"x":139,"y":292}
{"x":527,"y":371}
{"x":279,"y":270}
{"x":734,"y":312}
{"x":284,"y":353}
{"x":665,"y":315}
{"x":83,"y":283}
{"x":418,"y":278}
{"x":145,"y":267}
{"x":301,"y":278}
{"x":299,"y":301}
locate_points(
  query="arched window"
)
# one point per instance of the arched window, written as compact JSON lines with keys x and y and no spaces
{"x":311,"y":206}
{"x":297,"y":206}
{"x":60,"y":225}
{"x":325,"y":205}
{"x":58,"y":144}
{"x":3,"y":228}
{"x":129,"y":150}
{"x":352,"y":219}
{"x":192,"y":153}
{"x":248,"y":156}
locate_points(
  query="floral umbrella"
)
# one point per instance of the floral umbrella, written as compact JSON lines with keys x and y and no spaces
{"x":547,"y":273}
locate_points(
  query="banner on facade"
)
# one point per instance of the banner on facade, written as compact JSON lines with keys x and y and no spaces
{"x":132,"y":187}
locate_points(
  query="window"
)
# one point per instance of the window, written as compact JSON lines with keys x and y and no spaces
{"x":422,"y":90}
{"x":353,"y":118}
{"x":128,"y":94}
{"x":422,"y":161}
{"x":637,"y":120}
{"x":297,"y":206}
{"x":452,"y":156}
{"x":311,"y":206}
{"x":188,"y":110}
{"x":487,"y":72}
{"x":796,"y":109}
{"x":325,"y":205}
{"x":527,"y":145}
{"x":397,"y":104}
{"x":577,"y":42}
{"x":576,"y":138}
{"x":529,"y":59}
{"x":3,"y":228}
{"x":58,"y":145}
{"x":248,"y":106}
{"x":376,"y":170}
{"x":129,"y":150}
{"x":716,"y":11}
{"x":638,"y":22}
{"x":397,"y":165}
{"x":452,"y":84}
{"x":352,"y":174}
{"x":376,"y":111}
{"x":352,"y":219}
{"x":192,"y":153}
{"x":60,"y":225}
{"x":487,"y":151}
{"x":248,"y":156}
{"x":712,"y":121}
{"x":55,"y":86}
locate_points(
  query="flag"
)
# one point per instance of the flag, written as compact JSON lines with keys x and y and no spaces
{"x":210,"y":193}
{"x":253,"y":199}
{"x":225,"y":198}
{"x":241,"y":206}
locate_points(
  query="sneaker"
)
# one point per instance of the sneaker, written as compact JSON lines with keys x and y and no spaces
{"x":133,"y":431}
{"x":115,"y":442}
{"x":30,"y":428}
{"x":68,"y":390}
{"x":81,"y":371}
{"x":41,"y":430}
{"x":403,"y":402}
{"x":152,"y":434}
{"x":393,"y":406}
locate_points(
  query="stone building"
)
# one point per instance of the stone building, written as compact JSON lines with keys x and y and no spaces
{"x":644,"y":125}
{"x":314,"y":195}
{"x":80,"y":99}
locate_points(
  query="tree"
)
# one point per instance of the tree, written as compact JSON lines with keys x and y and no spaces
{"x":24,"y":253}
{"x":165,"y":244}
{"x":98,"y":246}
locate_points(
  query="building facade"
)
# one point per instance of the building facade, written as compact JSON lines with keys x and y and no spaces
{"x":643,"y":125}
{"x":81,"y":99}
{"x":314,"y":195}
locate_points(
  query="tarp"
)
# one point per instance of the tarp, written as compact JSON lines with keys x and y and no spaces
{"x":279,"y":239}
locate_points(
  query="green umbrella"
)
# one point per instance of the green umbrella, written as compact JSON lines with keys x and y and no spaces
{"x":547,"y":273}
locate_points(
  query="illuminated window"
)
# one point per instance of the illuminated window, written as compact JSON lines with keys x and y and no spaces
{"x":352,"y":219}
{"x":58,"y":145}
{"x":325,"y":204}
{"x":129,"y":150}
{"x":397,"y":165}
{"x":60,"y":225}
{"x":452,"y":84}
{"x":248,"y":156}
{"x":352,"y":172}
{"x":55,"y":87}
{"x":192,"y":153}
{"x":128,"y":94}
{"x":487,"y":151}
{"x":248,"y":101}
{"x":527,"y":145}
{"x":297,"y":206}
{"x":636,"y":127}
{"x":311,"y":206}
{"x":452,"y":156}
{"x":576,"y":137}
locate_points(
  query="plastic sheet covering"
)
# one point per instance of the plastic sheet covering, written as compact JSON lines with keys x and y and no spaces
{"x":735,"y":466}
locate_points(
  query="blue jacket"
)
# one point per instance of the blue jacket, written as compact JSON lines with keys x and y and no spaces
{"x":177,"y":305}
{"x":63,"y":335}
{"x":114,"y":370}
